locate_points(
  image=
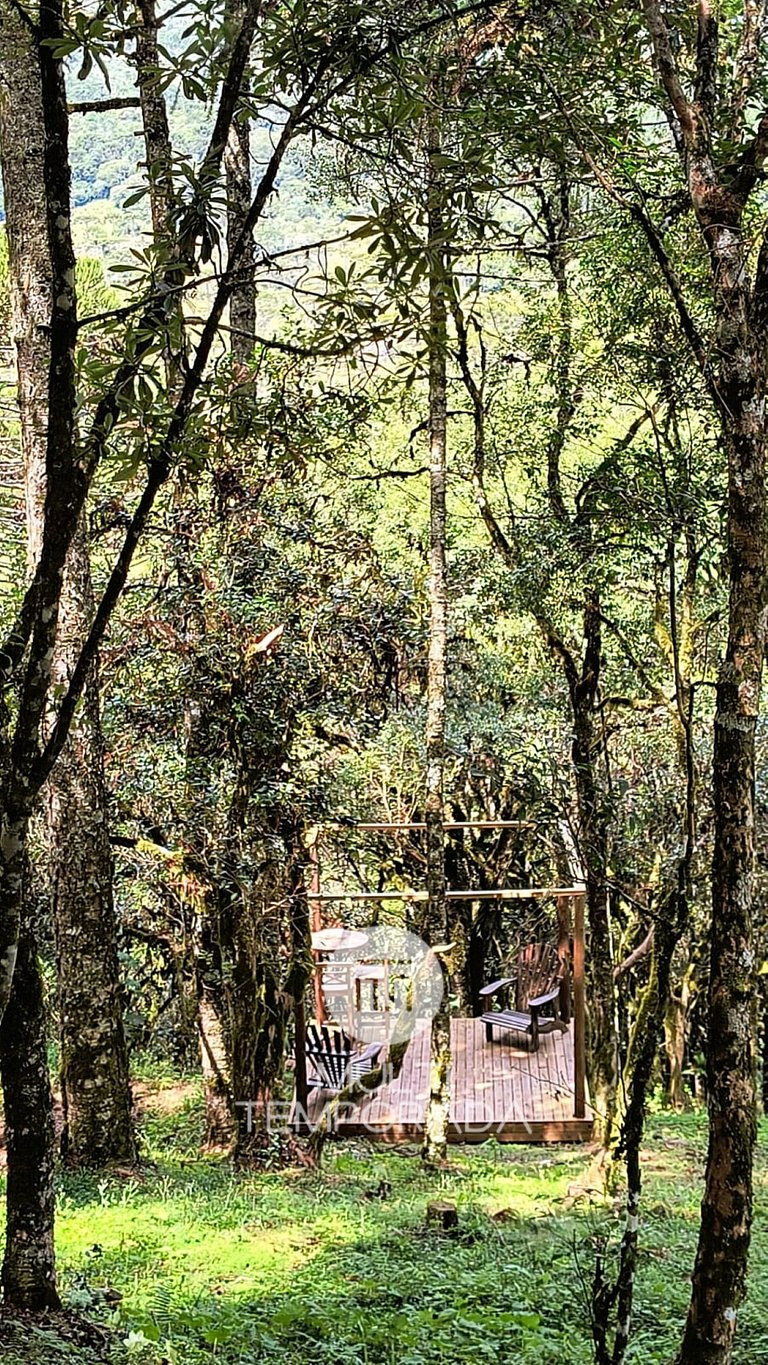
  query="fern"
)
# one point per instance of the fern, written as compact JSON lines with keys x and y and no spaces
{"x":160,"y":1309}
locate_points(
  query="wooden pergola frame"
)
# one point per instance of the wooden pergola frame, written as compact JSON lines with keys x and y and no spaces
{"x":392,"y":826}
{"x":571,"y":932}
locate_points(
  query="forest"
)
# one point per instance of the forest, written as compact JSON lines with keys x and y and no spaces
{"x":383,"y":602}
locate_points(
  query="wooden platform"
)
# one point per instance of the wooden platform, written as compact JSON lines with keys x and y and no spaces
{"x":498,"y":1090}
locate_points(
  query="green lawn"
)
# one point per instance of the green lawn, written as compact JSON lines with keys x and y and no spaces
{"x":302,"y":1267}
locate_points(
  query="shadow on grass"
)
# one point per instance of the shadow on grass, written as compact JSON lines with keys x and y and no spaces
{"x":298,"y":1267}
{"x":301,"y":1268}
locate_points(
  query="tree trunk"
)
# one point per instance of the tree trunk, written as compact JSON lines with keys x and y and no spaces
{"x":162,"y":196}
{"x":28,"y":1273}
{"x":301,"y":966}
{"x":593,"y":832}
{"x":436,"y":1121}
{"x":96,"y":1092}
{"x":738,"y":389}
{"x":262,"y":997}
{"x":22,"y":151}
{"x":675,"y":1020}
{"x":154,"y":118}
{"x":219,"y":1126}
{"x":237,"y":163}
{"x":719,"y":1280}
{"x":255,"y":1002}
{"x":34,"y":152}
{"x":95,"y":1081}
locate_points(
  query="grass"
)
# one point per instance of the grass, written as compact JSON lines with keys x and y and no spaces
{"x":307,"y":1267}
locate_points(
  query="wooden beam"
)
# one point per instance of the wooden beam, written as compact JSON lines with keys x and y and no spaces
{"x":564,"y":953}
{"x":507,"y":893}
{"x":536,"y":1131}
{"x":579,"y":1018}
{"x":300,"y":1055}
{"x":390,"y":826}
{"x":316,"y":924}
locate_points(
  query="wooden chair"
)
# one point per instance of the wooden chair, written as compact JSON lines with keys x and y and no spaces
{"x":538,"y":984}
{"x":336,"y":1060}
{"x":337,"y":984}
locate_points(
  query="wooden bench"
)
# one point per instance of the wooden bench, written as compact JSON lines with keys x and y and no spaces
{"x":538,"y":984}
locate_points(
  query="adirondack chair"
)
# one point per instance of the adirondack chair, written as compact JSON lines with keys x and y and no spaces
{"x":336,"y":1060}
{"x":538,"y":982}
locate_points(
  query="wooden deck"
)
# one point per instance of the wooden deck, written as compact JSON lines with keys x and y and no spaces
{"x":498,"y":1090}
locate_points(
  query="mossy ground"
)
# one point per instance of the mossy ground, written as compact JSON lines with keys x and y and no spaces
{"x":298,"y":1266}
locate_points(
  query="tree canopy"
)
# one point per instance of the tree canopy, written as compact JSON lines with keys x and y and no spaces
{"x":383,"y":421}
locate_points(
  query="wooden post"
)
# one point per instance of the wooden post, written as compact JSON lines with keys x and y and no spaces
{"x":564,"y":953}
{"x":579,"y":1019}
{"x":298,"y":982}
{"x":300,"y":1059}
{"x":316,"y":924}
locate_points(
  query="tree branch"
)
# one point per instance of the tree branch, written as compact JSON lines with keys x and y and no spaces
{"x":670,"y":79}
{"x":651,"y":687}
{"x":231,"y":90}
{"x":162,"y":462}
{"x":103,"y":106}
{"x":557,"y":231}
{"x":746,"y":64}
{"x":749,"y":168}
{"x":705,"y":92}
{"x":690,"y":330}
{"x":587,"y":494}
{"x":635,"y":956}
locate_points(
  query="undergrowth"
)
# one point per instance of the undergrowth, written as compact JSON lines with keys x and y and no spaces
{"x":304,"y":1268}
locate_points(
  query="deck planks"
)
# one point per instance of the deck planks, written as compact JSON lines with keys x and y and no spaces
{"x":498,"y":1089}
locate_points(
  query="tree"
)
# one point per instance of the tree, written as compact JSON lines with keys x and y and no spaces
{"x":314,"y":71}
{"x":436,"y":920}
{"x":703,"y":163}
{"x":94,"y":1065}
{"x":706,"y":87}
{"x":34,"y":81}
{"x":237,"y":160}
{"x":718,"y":184}
{"x":95,"y":1084}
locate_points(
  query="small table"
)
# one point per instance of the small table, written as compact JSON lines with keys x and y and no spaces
{"x":337,"y":939}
